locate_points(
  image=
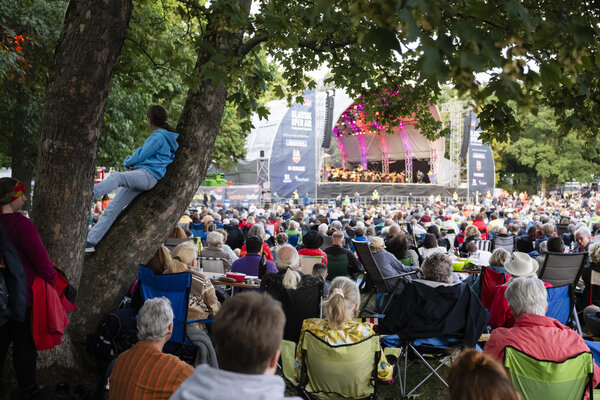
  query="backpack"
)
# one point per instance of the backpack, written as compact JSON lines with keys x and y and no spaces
{"x":116,"y":334}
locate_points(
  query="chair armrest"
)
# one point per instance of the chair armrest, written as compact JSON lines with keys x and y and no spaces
{"x":400,"y":275}
{"x":200,"y":321}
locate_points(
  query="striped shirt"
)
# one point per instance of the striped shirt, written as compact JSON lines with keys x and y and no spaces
{"x":142,"y":372}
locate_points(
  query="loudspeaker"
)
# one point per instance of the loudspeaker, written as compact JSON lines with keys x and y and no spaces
{"x":328,"y":119}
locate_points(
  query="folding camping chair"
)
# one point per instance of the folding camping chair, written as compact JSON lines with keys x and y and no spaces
{"x":561,"y":269}
{"x":212,"y":264}
{"x":171,"y":243}
{"x":447,"y":318}
{"x":197,"y":229}
{"x":379,"y":283}
{"x":176,"y":288}
{"x":490,"y":281}
{"x":483,"y":245}
{"x":550,"y":380}
{"x":327,"y":242}
{"x":347,"y":371}
{"x":562,"y":229}
{"x":307,"y":263}
{"x":507,"y":243}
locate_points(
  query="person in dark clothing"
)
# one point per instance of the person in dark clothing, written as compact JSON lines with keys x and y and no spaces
{"x":235,"y":236}
{"x":354,"y":268}
{"x":35,"y":262}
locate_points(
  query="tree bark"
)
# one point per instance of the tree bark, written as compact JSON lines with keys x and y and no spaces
{"x":145,"y":223}
{"x":84,"y":60}
{"x":22,"y":152}
{"x":90,"y":42}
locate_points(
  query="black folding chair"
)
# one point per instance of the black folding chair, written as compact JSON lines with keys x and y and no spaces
{"x":561,"y":269}
{"x":377,"y":281}
{"x":562,"y":228}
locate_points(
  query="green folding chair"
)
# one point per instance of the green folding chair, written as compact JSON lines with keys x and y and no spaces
{"x":328,"y":372}
{"x":550,"y":380}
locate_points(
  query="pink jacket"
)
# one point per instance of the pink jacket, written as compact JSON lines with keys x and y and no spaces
{"x":541,"y":337}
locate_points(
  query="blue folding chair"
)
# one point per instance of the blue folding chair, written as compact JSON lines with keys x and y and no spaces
{"x":559,"y":303}
{"x":197,"y":229}
{"x":176,"y":288}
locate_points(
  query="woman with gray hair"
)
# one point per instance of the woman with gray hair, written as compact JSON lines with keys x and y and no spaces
{"x":533,"y":333}
{"x":591,"y":294}
{"x":438,"y":268}
{"x":214,"y":248}
{"x":387,"y":263}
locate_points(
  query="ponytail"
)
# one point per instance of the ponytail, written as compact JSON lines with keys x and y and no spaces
{"x":159,"y":116}
{"x":290,"y":279}
{"x":343,"y":297}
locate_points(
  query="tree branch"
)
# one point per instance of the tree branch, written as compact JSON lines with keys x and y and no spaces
{"x":247,"y":47}
{"x":327,"y":45}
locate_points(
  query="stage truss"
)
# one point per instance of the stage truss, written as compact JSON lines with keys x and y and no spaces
{"x":457,"y":110}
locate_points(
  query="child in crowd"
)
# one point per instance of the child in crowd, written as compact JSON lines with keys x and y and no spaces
{"x":320,"y":270}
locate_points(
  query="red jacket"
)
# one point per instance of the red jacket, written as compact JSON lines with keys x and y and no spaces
{"x":49,"y":312}
{"x":266,"y":249}
{"x":314,"y":252}
{"x":482,"y":228}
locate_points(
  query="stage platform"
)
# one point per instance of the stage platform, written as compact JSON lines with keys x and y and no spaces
{"x":332,"y":189}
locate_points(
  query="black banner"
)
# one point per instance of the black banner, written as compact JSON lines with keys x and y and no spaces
{"x":481,"y":162}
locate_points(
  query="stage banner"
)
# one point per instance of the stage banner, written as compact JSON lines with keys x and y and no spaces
{"x":482,"y":172}
{"x":233,"y":195}
{"x":293,"y":160}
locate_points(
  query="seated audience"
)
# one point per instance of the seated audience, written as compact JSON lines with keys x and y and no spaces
{"x":437,"y":269}
{"x":228,"y":250}
{"x":160,"y":260}
{"x":339,"y":327}
{"x":250,"y":263}
{"x":280,"y":240}
{"x":248,"y":335}
{"x":344,"y":261}
{"x":294,"y":230}
{"x":320,"y":271}
{"x":497,"y":260}
{"x":472,"y":234}
{"x":547,"y":233}
{"x":299,"y":294}
{"x":533,"y":333}
{"x":399,"y":246}
{"x":258,"y":230}
{"x":430,"y":246}
{"x":518,"y":265}
{"x":131,"y":377}
{"x":312,"y":242}
{"x":387,"y":263}
{"x":553,"y":245}
{"x":591,"y":296}
{"x":214,"y":248}
{"x":478,"y":376}
{"x":203,"y":300}
{"x":235,"y":236}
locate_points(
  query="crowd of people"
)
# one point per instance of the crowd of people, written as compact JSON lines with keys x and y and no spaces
{"x":360,"y":174}
{"x":305,"y":259}
{"x":422,"y":240}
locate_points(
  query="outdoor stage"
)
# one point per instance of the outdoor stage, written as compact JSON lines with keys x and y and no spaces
{"x":332,"y":189}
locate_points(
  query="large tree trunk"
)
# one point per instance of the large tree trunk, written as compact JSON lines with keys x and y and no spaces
{"x":22,"y":152}
{"x":145,"y":223}
{"x":84,"y":60}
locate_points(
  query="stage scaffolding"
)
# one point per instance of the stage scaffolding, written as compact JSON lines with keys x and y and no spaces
{"x":457,"y":111}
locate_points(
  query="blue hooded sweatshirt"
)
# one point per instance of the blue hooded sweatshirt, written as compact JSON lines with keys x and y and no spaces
{"x":156,"y":153}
